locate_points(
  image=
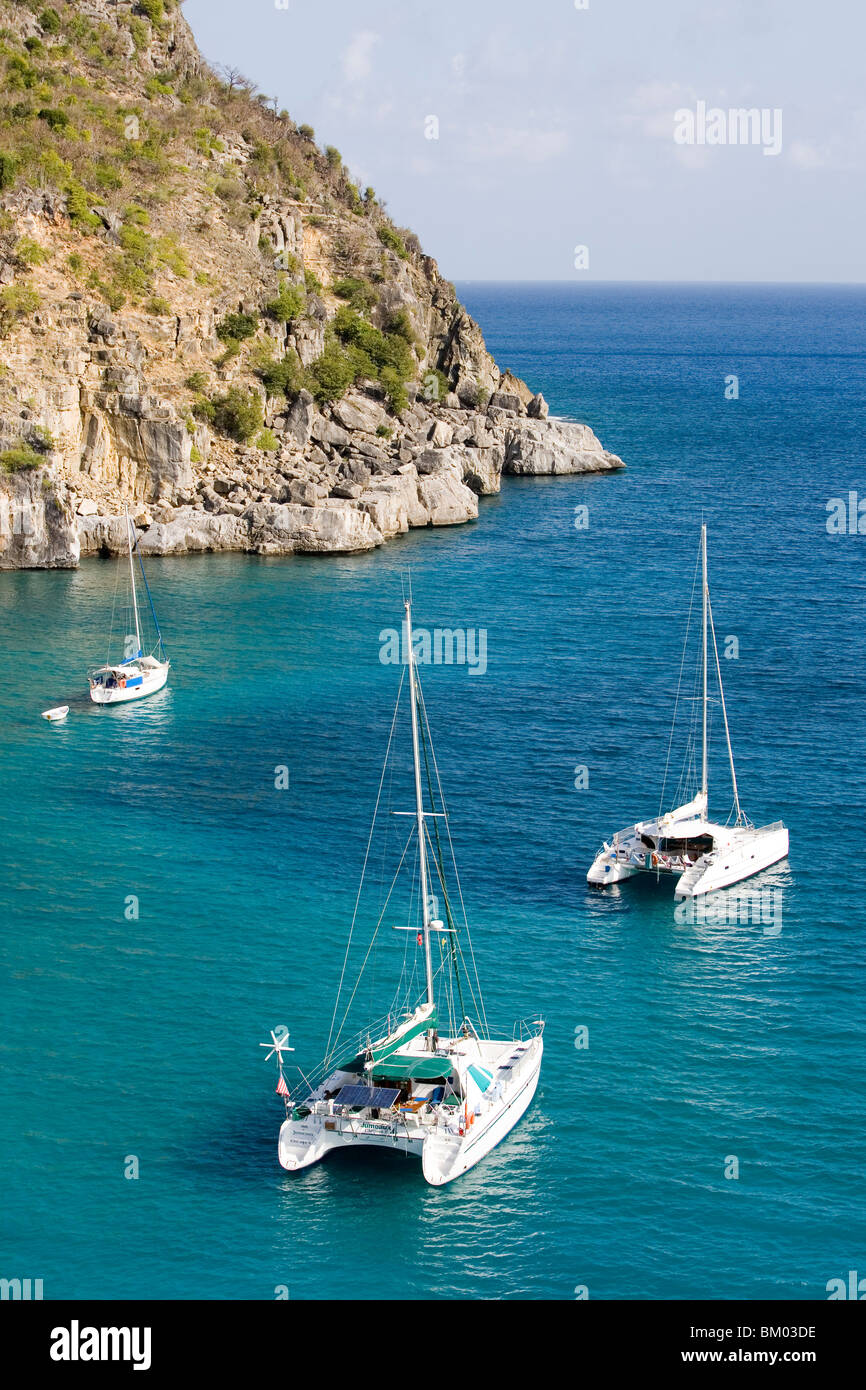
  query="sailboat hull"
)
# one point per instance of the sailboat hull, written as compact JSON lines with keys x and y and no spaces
{"x":447,"y":1146}
{"x":606,"y":868}
{"x":747,"y":855}
{"x":151,"y":681}
{"x":445,"y":1159}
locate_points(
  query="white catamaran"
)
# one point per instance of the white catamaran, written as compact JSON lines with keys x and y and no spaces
{"x":137,"y":674}
{"x":703,"y":855}
{"x":429,"y":1081}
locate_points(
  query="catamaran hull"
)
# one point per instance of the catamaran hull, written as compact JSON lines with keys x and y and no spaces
{"x":117,"y":695}
{"x":607,"y":869}
{"x":727,"y":867}
{"x":444,"y":1158}
{"x":445,"y":1154}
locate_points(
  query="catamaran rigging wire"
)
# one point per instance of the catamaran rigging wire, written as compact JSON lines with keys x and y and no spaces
{"x":479,"y":1002}
{"x":364,"y":867}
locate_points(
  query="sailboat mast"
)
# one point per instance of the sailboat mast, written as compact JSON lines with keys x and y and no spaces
{"x":705,"y":597}
{"x":419,"y":805}
{"x":132,"y":581}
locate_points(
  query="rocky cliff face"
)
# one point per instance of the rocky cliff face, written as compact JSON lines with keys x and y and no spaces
{"x":202,"y":317}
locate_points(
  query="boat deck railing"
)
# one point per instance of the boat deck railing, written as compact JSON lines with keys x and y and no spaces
{"x":342,"y":1048}
{"x":527,"y":1028}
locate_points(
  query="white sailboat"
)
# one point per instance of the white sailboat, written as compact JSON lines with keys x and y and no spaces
{"x":430,"y":1082}
{"x":684,"y":843}
{"x":137,"y":674}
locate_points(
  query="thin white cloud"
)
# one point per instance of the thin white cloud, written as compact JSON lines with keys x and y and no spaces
{"x":524,"y":146}
{"x":807,"y":155}
{"x":357,"y":60}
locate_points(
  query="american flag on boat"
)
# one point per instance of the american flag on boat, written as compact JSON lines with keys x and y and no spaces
{"x":282,"y":1088}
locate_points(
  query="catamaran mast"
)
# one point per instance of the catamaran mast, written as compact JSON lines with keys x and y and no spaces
{"x":705,"y":597}
{"x":132,"y":580}
{"x":419,"y":805}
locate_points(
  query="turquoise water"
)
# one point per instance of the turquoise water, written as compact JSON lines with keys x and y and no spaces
{"x":140,"y":1037}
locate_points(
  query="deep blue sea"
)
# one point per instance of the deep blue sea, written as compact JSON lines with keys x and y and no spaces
{"x":128,"y":1038}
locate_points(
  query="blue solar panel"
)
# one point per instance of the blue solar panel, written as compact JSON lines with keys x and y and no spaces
{"x":382,"y":1097}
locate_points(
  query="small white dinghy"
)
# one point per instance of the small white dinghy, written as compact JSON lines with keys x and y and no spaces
{"x":54,"y":716}
{"x":703,"y":855}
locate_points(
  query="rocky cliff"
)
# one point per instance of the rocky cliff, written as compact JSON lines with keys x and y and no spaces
{"x":204,"y":318}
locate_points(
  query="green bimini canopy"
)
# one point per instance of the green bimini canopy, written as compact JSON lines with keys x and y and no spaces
{"x":417,"y":1068}
{"x":423,"y":1019}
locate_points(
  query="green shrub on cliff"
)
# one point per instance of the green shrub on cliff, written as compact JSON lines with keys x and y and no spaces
{"x":20,"y":75}
{"x":395,"y":389}
{"x":359,"y":294}
{"x":8,"y":170}
{"x":400,"y":325}
{"x":41,"y":439}
{"x":155,"y":11}
{"x":287,"y":305}
{"x":237,"y":328}
{"x":267,"y":440}
{"x":283,"y":378}
{"x":395,"y":243}
{"x":20,"y":459}
{"x":49,"y":21}
{"x":238,"y":414}
{"x":78,"y":208}
{"x":332,"y":374}
{"x":172,"y":255}
{"x":17,"y":302}
{"x":54,"y":119}
{"x":139,"y":31}
{"x":386,"y":356}
{"x":30,"y":252}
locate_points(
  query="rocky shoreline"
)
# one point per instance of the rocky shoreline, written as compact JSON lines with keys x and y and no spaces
{"x":333,"y":486}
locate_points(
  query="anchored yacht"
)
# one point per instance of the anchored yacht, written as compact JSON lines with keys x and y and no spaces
{"x":137,"y":674}
{"x":684,"y":843}
{"x":427,"y":1080}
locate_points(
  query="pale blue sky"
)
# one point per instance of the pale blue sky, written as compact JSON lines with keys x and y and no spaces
{"x":556,"y":127}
